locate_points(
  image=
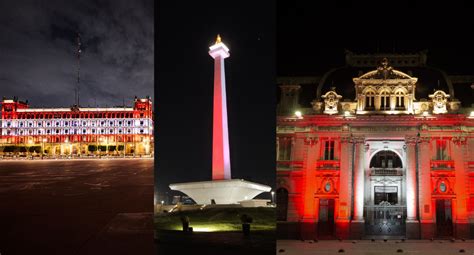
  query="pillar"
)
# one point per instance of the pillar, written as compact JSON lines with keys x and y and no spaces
{"x":357,"y":223}
{"x":412,"y":223}
{"x":220,"y":136}
{"x":309,"y":219}
{"x":461,"y":222}
{"x":345,"y":189}
{"x":426,"y":204}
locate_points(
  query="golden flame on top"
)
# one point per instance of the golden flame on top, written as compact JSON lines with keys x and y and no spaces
{"x":218,"y":39}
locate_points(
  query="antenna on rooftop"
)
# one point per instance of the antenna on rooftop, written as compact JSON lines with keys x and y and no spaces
{"x":78,"y":52}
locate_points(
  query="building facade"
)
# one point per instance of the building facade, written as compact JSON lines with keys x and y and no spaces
{"x":369,"y":151}
{"x":76,"y":131}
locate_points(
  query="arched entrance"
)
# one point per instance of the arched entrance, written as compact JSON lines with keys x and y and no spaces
{"x":385,"y":198}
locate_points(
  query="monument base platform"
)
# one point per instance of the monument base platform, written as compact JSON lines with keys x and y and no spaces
{"x":221,"y":191}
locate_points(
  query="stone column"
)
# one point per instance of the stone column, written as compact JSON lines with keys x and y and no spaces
{"x":309,"y":219}
{"x":412,"y":226}
{"x":345,"y":189}
{"x":461,"y":187}
{"x":357,"y":224}
{"x":427,"y":229}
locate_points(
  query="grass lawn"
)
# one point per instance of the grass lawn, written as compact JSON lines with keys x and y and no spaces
{"x":219,"y":219}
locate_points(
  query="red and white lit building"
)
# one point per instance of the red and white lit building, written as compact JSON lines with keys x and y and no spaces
{"x":364,"y":153}
{"x":76,"y":131}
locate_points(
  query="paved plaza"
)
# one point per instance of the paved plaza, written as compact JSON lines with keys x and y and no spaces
{"x":367,"y":247}
{"x":76,"y":206}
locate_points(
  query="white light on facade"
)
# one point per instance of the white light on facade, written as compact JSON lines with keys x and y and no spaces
{"x":298,"y":114}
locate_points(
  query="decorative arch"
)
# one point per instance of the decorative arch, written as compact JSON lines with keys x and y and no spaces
{"x":403,"y":163}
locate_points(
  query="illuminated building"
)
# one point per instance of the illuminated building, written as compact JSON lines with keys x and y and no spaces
{"x":222,"y":189}
{"x":376,"y":153}
{"x":76,"y":131}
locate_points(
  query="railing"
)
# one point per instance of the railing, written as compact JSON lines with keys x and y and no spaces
{"x":385,"y":212}
{"x":442,"y":164}
{"x":328,"y":164}
{"x":376,"y":171}
{"x":385,"y":219}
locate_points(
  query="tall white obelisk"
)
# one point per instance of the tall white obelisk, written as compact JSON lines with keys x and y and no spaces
{"x":222,"y":189}
{"x":220,"y":134}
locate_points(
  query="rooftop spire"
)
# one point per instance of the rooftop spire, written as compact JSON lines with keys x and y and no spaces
{"x":218,"y":39}
{"x":78,"y":52}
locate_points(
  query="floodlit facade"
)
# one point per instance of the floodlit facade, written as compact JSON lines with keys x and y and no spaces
{"x":76,"y":131}
{"x":383,"y":146}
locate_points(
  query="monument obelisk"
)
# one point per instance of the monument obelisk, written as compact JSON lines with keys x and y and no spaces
{"x":222,"y":189}
{"x":220,"y":132}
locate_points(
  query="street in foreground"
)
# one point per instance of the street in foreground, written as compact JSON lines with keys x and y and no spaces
{"x":76,"y":207}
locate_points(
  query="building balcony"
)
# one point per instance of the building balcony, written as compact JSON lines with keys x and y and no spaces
{"x":442,"y":164}
{"x":378,"y":171}
{"x":289,"y":165}
{"x":328,"y":164}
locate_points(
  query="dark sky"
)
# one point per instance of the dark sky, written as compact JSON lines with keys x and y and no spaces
{"x":311,"y":38}
{"x":184,"y":89}
{"x":38,"y":43}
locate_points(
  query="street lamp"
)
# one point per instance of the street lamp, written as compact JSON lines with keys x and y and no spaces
{"x":273,"y":195}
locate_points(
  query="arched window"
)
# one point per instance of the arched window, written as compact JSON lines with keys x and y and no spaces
{"x":384,"y":101}
{"x":399,"y":100}
{"x":369,"y":101}
{"x":386,"y":159}
{"x":282,"y":204}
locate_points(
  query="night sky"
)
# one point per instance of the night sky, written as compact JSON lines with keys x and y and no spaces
{"x":38,"y":45}
{"x":311,"y":38}
{"x":184,"y":89}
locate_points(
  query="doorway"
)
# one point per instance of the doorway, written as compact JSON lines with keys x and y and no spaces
{"x":444,"y":219}
{"x":326,"y":225}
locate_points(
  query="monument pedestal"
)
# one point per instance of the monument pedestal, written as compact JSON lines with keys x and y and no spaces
{"x":221,"y":191}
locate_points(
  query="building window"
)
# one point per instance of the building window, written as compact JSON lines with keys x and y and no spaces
{"x":400,"y":101}
{"x":384,"y":101}
{"x":329,"y":150}
{"x":441,"y":151}
{"x":284,"y":148}
{"x":369,"y":101}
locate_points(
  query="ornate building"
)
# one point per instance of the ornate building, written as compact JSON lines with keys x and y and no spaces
{"x":366,"y":151}
{"x":76,"y":131}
